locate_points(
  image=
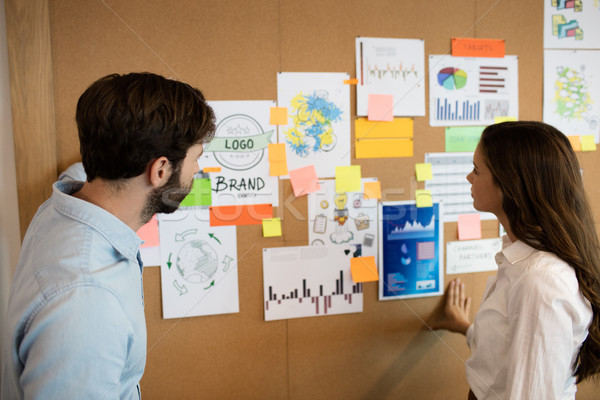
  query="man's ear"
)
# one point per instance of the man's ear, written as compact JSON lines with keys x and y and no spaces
{"x":160,"y":171}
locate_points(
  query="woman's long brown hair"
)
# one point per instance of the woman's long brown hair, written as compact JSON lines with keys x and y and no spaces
{"x":545,"y":203}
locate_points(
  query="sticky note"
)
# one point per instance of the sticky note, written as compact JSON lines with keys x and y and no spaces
{"x":350,"y":81}
{"x":498,"y":120}
{"x":278,"y":116}
{"x":250,"y":214}
{"x":473,"y":47}
{"x":423,"y":198}
{"x":149,"y":233}
{"x":384,"y":148}
{"x":364,"y":269}
{"x":372,"y":190}
{"x":271,"y":227}
{"x":423,"y":172}
{"x":211,"y":169}
{"x":200,"y":195}
{"x":381,"y":107}
{"x":277,"y":159}
{"x":462,"y":138}
{"x":397,"y":128}
{"x":304,"y":180}
{"x":588,"y":143}
{"x":575,"y":142}
{"x":469,"y":226}
{"x":347,"y":179}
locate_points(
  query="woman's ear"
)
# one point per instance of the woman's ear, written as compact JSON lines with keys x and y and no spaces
{"x":160,"y":171}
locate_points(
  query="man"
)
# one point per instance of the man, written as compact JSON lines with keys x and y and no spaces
{"x":76,"y":326}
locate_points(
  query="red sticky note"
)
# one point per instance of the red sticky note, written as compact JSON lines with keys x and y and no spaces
{"x":364,"y":269}
{"x":469,"y":226}
{"x":149,"y":233}
{"x":250,"y":214}
{"x":381,"y":107}
{"x":304,"y":180}
{"x":474,"y":47}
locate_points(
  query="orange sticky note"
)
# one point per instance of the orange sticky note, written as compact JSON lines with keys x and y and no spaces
{"x":364,"y":269}
{"x":211,"y":169}
{"x":575,"y":142}
{"x":149,"y":233}
{"x":372,"y":190}
{"x":472,"y":47}
{"x":350,"y":81}
{"x":469,"y":226}
{"x":277,"y":159}
{"x":250,"y":214}
{"x":304,"y":180}
{"x":381,"y":107}
{"x":278,"y":116}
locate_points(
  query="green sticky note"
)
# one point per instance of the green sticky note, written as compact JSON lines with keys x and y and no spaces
{"x":347,"y":179}
{"x":423,"y":172}
{"x":200,"y":195}
{"x":462,"y":138}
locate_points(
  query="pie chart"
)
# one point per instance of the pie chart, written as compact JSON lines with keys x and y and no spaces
{"x":452,"y":78}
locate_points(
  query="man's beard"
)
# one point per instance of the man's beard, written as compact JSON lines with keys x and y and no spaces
{"x":165,"y":199}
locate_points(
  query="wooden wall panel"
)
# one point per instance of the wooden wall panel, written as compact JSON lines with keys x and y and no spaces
{"x":232,"y":50}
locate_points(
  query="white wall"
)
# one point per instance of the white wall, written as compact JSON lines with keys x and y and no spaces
{"x":10,"y":237}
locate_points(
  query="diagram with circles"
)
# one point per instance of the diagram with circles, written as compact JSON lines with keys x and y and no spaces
{"x":198,"y":265}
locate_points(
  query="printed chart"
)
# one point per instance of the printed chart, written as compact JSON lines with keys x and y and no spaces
{"x":309,"y":281}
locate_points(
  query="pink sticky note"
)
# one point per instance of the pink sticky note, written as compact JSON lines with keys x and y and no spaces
{"x":304,"y":180}
{"x":381,"y":107}
{"x":149,"y":233}
{"x":469,"y":226}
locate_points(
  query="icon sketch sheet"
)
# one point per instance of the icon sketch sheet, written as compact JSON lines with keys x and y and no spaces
{"x":198,"y":270}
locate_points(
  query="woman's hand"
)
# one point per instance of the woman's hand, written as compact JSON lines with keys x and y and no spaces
{"x":454,"y":316}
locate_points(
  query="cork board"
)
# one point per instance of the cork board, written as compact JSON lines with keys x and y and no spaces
{"x":232,"y":50}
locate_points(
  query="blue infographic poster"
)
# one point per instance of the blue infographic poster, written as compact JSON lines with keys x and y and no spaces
{"x":411,"y":249}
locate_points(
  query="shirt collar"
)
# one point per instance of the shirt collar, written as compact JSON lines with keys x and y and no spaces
{"x":515,"y":251}
{"x":115,"y":231}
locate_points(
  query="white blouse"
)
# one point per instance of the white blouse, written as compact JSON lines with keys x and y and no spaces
{"x":529,"y":328}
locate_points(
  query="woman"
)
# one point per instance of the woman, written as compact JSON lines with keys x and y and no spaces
{"x":537,"y":331}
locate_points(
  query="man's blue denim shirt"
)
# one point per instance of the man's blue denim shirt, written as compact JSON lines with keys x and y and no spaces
{"x":76,"y":325}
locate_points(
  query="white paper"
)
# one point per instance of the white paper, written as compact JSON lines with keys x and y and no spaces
{"x":318,"y":131}
{"x":450,"y":186}
{"x":150,"y":256}
{"x":309,"y":281}
{"x":241,"y":151}
{"x":466,"y":91}
{"x":391,"y":66}
{"x":472,"y":255}
{"x":343,"y":219}
{"x":198,"y":271}
{"x":571,"y":24}
{"x":572,"y":91}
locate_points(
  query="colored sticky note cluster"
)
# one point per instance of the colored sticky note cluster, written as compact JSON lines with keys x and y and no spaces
{"x":364,"y":269}
{"x":469,"y":226}
{"x":347,"y":179}
{"x":271,"y":227}
{"x":200,"y":195}
{"x":380,"y":107}
{"x":304,"y":180}
{"x":423,"y":172}
{"x":372,"y":190}
{"x":277,"y":159}
{"x":423,"y":198}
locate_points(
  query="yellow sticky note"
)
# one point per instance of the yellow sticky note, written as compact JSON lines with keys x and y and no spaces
{"x":588,"y":143}
{"x":575,"y":142}
{"x":364,"y":269}
{"x":384,"y":148}
{"x":271,"y":227}
{"x":381,"y":107}
{"x":347,"y":179}
{"x":423,"y":172}
{"x":278,"y":116}
{"x":498,"y":120}
{"x":277,"y":159}
{"x":469,"y":226}
{"x":372,"y":190}
{"x":423,"y":198}
{"x":398,"y":128}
